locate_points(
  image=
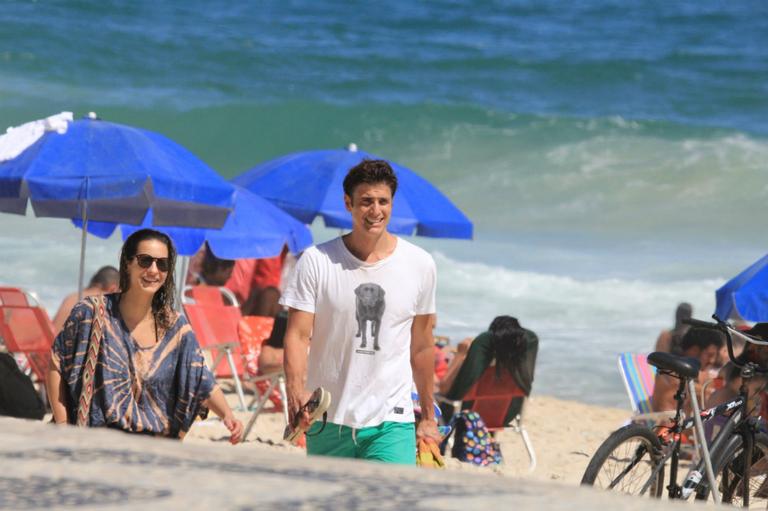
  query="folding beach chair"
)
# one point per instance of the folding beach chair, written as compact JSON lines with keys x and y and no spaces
{"x":220,"y":329}
{"x":209,"y":295}
{"x":254,"y":332}
{"x":216,"y":329}
{"x":495,"y":399}
{"x":492,"y":397}
{"x":26,"y":328}
{"x":639,"y":377}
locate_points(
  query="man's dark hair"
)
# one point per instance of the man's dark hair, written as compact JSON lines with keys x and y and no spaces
{"x":370,"y":172}
{"x":212,"y":264}
{"x":703,"y":338}
{"x":104,"y":278}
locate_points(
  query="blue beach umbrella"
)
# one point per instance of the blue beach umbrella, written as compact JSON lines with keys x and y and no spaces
{"x":309,"y":184}
{"x":745,"y":295}
{"x":255,"y":229}
{"x":109,"y":172}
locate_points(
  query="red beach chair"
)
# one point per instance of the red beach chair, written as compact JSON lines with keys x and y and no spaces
{"x":26,"y":328}
{"x":491,"y":397}
{"x":254,"y":331}
{"x":215,"y":327}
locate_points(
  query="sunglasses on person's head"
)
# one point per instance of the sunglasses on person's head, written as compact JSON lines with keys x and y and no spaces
{"x":145,"y":261}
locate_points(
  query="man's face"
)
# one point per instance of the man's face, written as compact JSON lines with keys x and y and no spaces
{"x":708,"y":356}
{"x":371,"y":207}
{"x":220,"y":276}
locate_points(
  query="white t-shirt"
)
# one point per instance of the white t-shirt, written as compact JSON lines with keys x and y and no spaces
{"x":368,"y":375}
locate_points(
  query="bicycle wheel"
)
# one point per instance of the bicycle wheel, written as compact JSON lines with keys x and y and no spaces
{"x":626,"y":461}
{"x":730,"y":471}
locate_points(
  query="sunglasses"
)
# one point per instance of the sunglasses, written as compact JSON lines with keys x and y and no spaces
{"x":145,"y":261}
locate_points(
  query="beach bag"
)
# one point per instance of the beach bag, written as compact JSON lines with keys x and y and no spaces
{"x":18,"y":397}
{"x":472,"y":442}
{"x":91,"y":359}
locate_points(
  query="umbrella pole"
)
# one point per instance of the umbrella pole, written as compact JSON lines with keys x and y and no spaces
{"x":182,"y":281}
{"x":82,"y":253}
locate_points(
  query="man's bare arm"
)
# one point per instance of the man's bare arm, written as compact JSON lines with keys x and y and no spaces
{"x":423,"y":366}
{"x":297,"y":335}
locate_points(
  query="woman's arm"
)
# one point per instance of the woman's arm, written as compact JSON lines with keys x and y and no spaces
{"x":56,"y":389}
{"x":218,"y":404}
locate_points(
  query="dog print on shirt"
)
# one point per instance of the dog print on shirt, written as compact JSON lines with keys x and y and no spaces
{"x":369,"y":307}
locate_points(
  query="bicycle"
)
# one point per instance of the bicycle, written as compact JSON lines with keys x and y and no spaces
{"x":633,"y":458}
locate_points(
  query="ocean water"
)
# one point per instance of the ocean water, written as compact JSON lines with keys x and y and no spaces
{"x":612,"y":157}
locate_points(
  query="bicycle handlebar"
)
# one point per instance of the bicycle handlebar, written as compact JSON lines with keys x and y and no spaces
{"x":702,"y":324}
{"x":728,"y":330}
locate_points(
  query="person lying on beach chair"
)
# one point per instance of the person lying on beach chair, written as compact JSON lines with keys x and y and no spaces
{"x":699,"y":343}
{"x":272,"y":351}
{"x":506,"y":344}
{"x":104,"y":281}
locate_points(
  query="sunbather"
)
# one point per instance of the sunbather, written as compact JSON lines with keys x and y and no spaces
{"x":103,"y":281}
{"x":700,"y":343}
{"x":256,"y":283}
{"x":506,"y":343}
{"x":151,"y":376}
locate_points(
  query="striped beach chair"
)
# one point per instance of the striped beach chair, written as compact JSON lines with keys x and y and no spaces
{"x":639,"y":377}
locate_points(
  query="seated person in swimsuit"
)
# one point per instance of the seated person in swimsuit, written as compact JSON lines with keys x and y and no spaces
{"x":256,"y":283}
{"x":699,"y":343}
{"x":271,"y":356}
{"x":104,"y":281}
{"x":207,"y":269}
{"x":506,"y":344}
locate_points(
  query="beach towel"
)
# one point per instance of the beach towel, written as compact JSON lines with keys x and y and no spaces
{"x":17,"y":139}
{"x":428,"y":454}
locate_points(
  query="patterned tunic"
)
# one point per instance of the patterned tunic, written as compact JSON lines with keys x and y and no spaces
{"x":157,"y":390}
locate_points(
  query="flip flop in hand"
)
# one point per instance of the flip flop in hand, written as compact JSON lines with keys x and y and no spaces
{"x":316,"y":407}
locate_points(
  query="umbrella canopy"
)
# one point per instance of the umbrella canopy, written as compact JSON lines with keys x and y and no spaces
{"x":309,"y":184}
{"x":114,"y":173}
{"x":255,"y":229}
{"x":96,"y":170}
{"x":745,"y":295}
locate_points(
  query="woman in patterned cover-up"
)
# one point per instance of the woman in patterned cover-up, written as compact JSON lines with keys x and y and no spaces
{"x":151,"y":376}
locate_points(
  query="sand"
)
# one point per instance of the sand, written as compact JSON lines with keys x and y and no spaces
{"x":564,"y":435}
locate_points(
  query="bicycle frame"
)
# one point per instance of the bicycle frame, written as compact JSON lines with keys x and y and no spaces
{"x":675,"y":490}
{"x":738,"y":432}
{"x":738,"y":424}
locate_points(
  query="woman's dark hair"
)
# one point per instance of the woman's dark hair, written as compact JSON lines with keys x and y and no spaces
{"x":163,"y":301}
{"x":508,"y":343}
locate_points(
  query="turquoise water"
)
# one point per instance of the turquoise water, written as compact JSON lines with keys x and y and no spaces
{"x":613,"y":157}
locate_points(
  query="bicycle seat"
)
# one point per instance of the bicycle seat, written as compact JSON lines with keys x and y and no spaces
{"x":683,"y":367}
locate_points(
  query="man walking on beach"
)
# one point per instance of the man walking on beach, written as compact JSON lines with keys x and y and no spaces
{"x":366,"y":300}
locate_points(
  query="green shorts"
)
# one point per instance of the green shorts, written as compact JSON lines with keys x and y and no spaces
{"x":389,"y":442}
